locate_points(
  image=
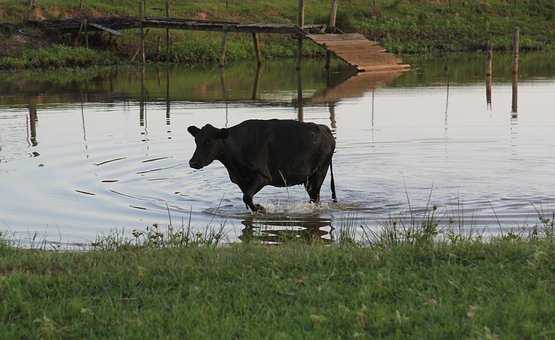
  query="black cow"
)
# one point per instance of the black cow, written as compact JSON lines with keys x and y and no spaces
{"x":273,"y":152}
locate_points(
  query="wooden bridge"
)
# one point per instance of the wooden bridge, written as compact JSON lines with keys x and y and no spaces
{"x":359,"y":52}
{"x":353,"y":48}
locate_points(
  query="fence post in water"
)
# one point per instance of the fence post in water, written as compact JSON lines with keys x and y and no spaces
{"x":516,"y":57}
{"x":33,"y":118}
{"x":142,"y":18}
{"x":168,"y":121}
{"x":167,"y":32}
{"x":489,"y":73}
{"x":256,"y":49}
{"x":223,"y":48}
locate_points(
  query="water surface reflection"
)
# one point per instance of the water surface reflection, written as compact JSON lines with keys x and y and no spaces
{"x":85,"y":152}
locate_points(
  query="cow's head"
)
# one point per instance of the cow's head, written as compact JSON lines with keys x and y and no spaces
{"x":209,"y":142}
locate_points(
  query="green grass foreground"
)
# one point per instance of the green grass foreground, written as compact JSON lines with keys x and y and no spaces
{"x":504,"y":288}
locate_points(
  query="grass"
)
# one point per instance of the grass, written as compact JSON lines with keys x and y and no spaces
{"x":58,"y":56}
{"x":400,"y":25}
{"x":406,"y":283}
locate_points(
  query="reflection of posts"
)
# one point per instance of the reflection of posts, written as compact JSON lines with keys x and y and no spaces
{"x":256,"y":44}
{"x":168,"y":121}
{"x":516,"y":57}
{"x":33,"y":118}
{"x":446,"y":115}
{"x":489,"y":74}
{"x":256,"y":83}
{"x":223,"y":49}
{"x":84,"y":127}
{"x":331,"y":109}
{"x":142,"y":99}
{"x":300,"y":103}
{"x":373,"y":102}
{"x":224,"y":95}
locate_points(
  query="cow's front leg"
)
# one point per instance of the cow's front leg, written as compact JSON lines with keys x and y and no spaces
{"x":250,"y":190}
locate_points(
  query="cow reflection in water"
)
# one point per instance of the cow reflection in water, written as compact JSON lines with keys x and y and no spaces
{"x":275,"y":232}
{"x":279,"y":153}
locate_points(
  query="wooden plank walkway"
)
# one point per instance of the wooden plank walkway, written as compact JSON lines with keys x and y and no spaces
{"x":121,"y":23}
{"x":359,"y":52}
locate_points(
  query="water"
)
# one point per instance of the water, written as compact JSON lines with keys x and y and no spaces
{"x":81,"y":154}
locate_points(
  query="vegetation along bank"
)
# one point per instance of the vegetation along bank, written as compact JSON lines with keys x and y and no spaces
{"x":406,"y":284}
{"x":402,"y":26}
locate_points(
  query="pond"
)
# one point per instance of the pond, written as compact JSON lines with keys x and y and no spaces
{"x":87,"y":152}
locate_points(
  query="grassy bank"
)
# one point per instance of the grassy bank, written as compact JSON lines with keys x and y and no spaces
{"x":411,"y":288}
{"x":402,"y":26}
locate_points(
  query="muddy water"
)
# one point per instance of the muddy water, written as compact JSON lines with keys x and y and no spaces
{"x":86,"y":152}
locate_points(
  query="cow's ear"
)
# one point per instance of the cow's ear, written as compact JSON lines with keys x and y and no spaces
{"x":193,"y":130}
{"x":223,"y":133}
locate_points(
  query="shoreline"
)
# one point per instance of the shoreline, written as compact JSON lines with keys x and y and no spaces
{"x":398,"y":287}
{"x":423,"y":29}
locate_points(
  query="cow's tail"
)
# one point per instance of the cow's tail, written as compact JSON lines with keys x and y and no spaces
{"x":333,"y":196}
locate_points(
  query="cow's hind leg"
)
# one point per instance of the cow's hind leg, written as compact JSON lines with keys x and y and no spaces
{"x":250,"y":190}
{"x":314,"y":184}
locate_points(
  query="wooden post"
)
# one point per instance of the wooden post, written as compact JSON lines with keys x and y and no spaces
{"x":328,"y":60}
{"x":516,"y":57}
{"x":86,"y":24}
{"x":167,"y":32}
{"x":33,"y":118}
{"x":301,"y":14}
{"x":158,"y":49}
{"x":300,"y":37}
{"x":489,"y":74}
{"x":223,"y":48}
{"x":333,"y":15}
{"x":142,"y":17}
{"x":256,"y":49}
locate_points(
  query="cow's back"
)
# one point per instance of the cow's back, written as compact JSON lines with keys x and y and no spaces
{"x":287,"y":151}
